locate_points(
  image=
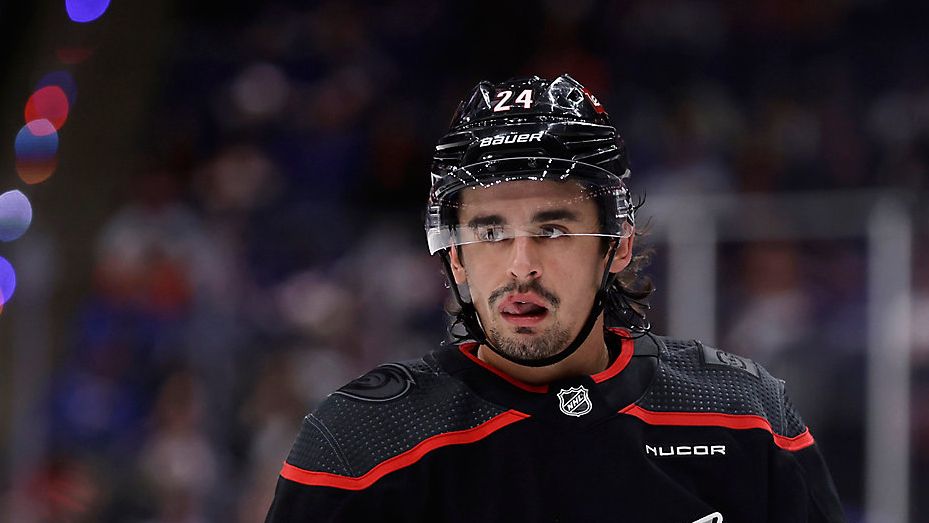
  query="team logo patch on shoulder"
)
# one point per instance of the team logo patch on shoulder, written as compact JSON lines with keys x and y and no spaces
{"x":714,"y":356}
{"x":574,"y":401}
{"x":385,"y":383}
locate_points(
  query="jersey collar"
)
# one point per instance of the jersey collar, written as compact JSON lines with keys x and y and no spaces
{"x":621,"y":383}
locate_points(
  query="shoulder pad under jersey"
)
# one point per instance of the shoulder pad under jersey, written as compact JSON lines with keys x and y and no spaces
{"x":695,"y":378}
{"x":383,"y":414}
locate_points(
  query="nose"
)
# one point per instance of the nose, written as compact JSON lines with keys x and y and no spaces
{"x":525,"y":262}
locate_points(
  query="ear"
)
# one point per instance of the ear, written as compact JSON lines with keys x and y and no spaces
{"x":623,"y":254}
{"x":458,"y":270}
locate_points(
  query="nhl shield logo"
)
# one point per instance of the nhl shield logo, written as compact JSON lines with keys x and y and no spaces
{"x":574,"y":401}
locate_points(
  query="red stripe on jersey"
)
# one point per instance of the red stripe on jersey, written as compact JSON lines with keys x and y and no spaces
{"x":717,"y":419}
{"x":465,"y":349}
{"x":625,"y":355}
{"x":326,"y":479}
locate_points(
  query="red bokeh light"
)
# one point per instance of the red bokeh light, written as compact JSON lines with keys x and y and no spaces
{"x":49,"y":103}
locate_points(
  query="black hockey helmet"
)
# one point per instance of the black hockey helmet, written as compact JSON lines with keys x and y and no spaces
{"x":528,"y":129}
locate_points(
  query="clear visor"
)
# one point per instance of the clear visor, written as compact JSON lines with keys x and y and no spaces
{"x":445,"y":237}
{"x":554,"y":213}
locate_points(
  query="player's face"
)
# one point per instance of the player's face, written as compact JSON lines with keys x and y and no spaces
{"x":532,"y":293}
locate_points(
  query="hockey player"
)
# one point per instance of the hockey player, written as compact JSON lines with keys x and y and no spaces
{"x":557,"y":403}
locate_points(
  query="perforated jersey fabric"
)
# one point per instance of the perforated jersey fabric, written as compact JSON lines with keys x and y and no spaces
{"x":350,"y":436}
{"x":685,"y":383}
{"x":675,"y":432}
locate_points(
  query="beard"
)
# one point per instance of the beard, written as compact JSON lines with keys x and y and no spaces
{"x":548,"y":343}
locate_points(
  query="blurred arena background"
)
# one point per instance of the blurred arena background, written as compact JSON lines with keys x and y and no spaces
{"x":218,"y":221}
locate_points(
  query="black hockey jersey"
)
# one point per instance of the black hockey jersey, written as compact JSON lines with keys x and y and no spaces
{"x":672,"y":431}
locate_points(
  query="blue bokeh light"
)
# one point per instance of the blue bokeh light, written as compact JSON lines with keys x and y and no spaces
{"x":62,"y":79}
{"x":83,"y":11}
{"x":7,"y":281}
{"x":36,"y":141}
{"x":15,"y":215}
{"x":36,"y":151}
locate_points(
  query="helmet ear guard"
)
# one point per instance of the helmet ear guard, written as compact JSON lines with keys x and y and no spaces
{"x":467,"y":315}
{"x":528,"y":129}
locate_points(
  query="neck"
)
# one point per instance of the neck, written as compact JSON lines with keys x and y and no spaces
{"x":590,"y":358}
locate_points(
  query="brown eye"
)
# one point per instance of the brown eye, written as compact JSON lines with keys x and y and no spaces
{"x":490,"y":233}
{"x":551,"y":231}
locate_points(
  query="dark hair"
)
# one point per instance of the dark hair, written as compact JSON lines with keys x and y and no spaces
{"x":626,"y":302}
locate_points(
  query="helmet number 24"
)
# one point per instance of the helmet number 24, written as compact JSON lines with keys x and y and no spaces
{"x":524,"y":98}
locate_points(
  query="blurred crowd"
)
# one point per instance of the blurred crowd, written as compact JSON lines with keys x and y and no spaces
{"x":273,"y":248}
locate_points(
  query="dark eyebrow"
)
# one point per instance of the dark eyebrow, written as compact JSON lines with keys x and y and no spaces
{"x":554,"y":215}
{"x":486,"y":219}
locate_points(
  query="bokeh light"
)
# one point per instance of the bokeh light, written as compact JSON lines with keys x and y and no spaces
{"x":15,"y":215}
{"x":48,"y":103}
{"x":83,"y":11}
{"x":7,"y":282}
{"x":63,"y":80}
{"x":260,"y":90}
{"x":36,"y":151}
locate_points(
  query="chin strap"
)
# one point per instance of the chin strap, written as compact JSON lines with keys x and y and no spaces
{"x":472,"y":323}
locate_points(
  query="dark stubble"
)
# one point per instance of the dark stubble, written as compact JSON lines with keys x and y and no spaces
{"x":545,"y":344}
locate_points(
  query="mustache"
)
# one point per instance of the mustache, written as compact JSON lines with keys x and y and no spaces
{"x":524,"y":287}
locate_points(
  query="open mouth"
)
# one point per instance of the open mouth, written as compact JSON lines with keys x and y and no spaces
{"x":523,"y":310}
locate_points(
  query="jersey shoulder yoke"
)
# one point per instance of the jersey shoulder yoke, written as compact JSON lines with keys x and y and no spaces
{"x":698,"y":382}
{"x":388,"y":418}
